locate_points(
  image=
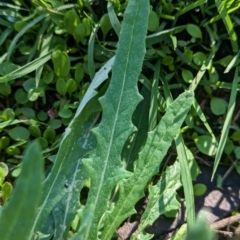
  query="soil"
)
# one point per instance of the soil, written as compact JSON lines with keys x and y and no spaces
{"x":220,"y":202}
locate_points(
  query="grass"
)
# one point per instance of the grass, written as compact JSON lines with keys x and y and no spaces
{"x":57,"y":87}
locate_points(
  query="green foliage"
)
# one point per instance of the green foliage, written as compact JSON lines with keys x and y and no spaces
{"x":20,"y":212}
{"x":104,"y":136}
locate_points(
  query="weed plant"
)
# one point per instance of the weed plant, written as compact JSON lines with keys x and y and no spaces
{"x":95,"y":95}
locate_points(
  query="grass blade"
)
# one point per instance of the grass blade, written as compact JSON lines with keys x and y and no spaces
{"x":228,"y":24}
{"x":183,"y":160}
{"x":113,"y":19}
{"x":227,"y":122}
{"x":19,"y":213}
{"x":154,"y":98}
{"x":22,"y":71}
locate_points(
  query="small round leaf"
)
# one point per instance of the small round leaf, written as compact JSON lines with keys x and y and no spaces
{"x":13,"y":150}
{"x":21,"y":96}
{"x":187,"y":76}
{"x":42,"y":116}
{"x":79,"y":73}
{"x":4,"y":142}
{"x":105,"y":24}
{"x":79,"y":32}
{"x":199,"y":58}
{"x":6,"y":191}
{"x":61,"y":63}
{"x":194,"y":31}
{"x":8,"y":114}
{"x":206,"y":144}
{"x":199,"y":189}
{"x":65,"y":113}
{"x":153,"y":22}
{"x":61,"y":86}
{"x":35,"y":131}
{"x":218,"y":106}
{"x":237,"y":152}
{"x":19,"y":133}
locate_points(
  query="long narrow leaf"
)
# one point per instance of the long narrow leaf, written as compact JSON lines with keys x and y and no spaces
{"x":24,"y":70}
{"x":105,"y":167}
{"x":73,"y":147}
{"x":62,"y":165}
{"x":227,"y":122}
{"x":18,"y":214}
{"x":228,"y":24}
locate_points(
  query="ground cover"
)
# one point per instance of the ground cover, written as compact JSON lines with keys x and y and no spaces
{"x":122,"y":105}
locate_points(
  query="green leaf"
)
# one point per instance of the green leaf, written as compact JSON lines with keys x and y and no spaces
{"x":199,"y":189}
{"x":13,"y":150}
{"x":49,"y":134}
{"x":11,"y":122}
{"x":42,"y":116}
{"x":4,"y":169}
{"x":229,"y":147}
{"x":19,"y":133}
{"x":187,"y":76}
{"x":5,"y":89}
{"x":6,"y":191}
{"x":236,"y":136}
{"x":71,"y":20}
{"x":206,"y":144}
{"x":237,"y":152}
{"x":55,"y":123}
{"x":79,"y":73}
{"x":4,"y":142}
{"x":71,"y":86}
{"x":18,"y":214}
{"x":24,"y":70}
{"x":199,"y":58}
{"x":65,"y":113}
{"x":79,"y":32}
{"x":162,"y":199}
{"x":61,"y":86}
{"x":65,"y":211}
{"x":150,"y":157}
{"x":153,"y":22}
{"x":194,"y":31}
{"x":28,"y":112}
{"x":228,"y":120}
{"x":69,"y":152}
{"x":218,"y":106}
{"x":105,"y":25}
{"x":137,"y":140}
{"x":35,"y":131}
{"x":73,"y":147}
{"x":167,"y":61}
{"x":61,"y":63}
{"x":8,"y":114}
{"x":105,"y":167}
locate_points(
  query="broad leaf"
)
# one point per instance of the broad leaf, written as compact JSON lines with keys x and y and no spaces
{"x":157,"y":144}
{"x":73,"y":147}
{"x":105,"y":167}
